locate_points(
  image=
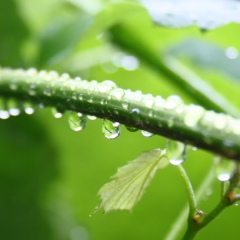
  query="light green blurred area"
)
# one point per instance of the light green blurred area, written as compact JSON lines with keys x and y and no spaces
{"x":49,"y":174}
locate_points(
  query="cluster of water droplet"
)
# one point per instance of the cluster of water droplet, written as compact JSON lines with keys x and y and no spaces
{"x":168,"y":111}
{"x":11,"y":107}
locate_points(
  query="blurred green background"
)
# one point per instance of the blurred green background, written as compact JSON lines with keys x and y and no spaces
{"x":50,"y":175}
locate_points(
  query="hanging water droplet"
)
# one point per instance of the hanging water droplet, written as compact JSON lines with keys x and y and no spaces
{"x":90,"y":117}
{"x":111,"y":130}
{"x":176,"y":152}
{"x":4,"y":114}
{"x":146,"y":133}
{"x":224,"y":168}
{"x":56,"y":113}
{"x":194,"y":148}
{"x":13,"y":107}
{"x":28,"y":108}
{"x":135,"y":111}
{"x":77,"y":121}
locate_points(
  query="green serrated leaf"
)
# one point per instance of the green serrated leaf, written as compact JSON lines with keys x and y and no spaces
{"x":207,"y":15}
{"x":131,"y":181}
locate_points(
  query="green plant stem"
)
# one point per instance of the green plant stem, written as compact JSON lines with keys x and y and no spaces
{"x":180,"y":222}
{"x":227,"y":200}
{"x":190,"y":191}
{"x":173,"y":70}
{"x":169,"y":118}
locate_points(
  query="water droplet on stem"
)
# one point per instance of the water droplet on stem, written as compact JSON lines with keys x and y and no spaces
{"x":146,"y":133}
{"x":224,"y":168}
{"x":77,"y":121}
{"x":111,"y":130}
{"x":176,"y":152}
{"x":56,"y":113}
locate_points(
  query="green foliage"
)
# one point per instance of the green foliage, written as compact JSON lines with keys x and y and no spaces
{"x":50,"y":174}
{"x":131,"y":181}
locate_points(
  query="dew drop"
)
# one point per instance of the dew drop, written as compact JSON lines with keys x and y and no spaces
{"x":13,"y":107}
{"x":135,"y":111}
{"x":125,"y":104}
{"x":90,"y":117}
{"x":176,"y":152}
{"x":31,"y":72}
{"x":77,"y":121}
{"x":194,"y":148}
{"x":172,"y":102}
{"x":64,"y":77}
{"x":221,"y":121}
{"x":53,"y":74}
{"x":148,"y":101}
{"x":111,"y":130}
{"x":14,"y":111}
{"x":106,"y":86}
{"x":42,"y":73}
{"x":224,"y":168}
{"x":116,"y":93}
{"x":192,"y":115}
{"x":4,"y":114}
{"x":72,"y":84}
{"x":208,"y":119}
{"x":28,"y":108}
{"x":56,"y":113}
{"x":146,"y":133}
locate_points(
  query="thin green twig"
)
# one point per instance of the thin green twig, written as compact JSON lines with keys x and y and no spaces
{"x":180,"y":222}
{"x":190,"y":192}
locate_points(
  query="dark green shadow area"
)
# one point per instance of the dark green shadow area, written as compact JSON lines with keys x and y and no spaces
{"x":28,"y":166}
{"x":13,"y":32}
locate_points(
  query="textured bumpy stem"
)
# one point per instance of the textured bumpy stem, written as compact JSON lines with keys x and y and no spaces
{"x":171,"y":118}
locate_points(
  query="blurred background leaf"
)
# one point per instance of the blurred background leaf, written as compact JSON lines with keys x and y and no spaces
{"x":188,"y":13}
{"x":13,"y":33}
